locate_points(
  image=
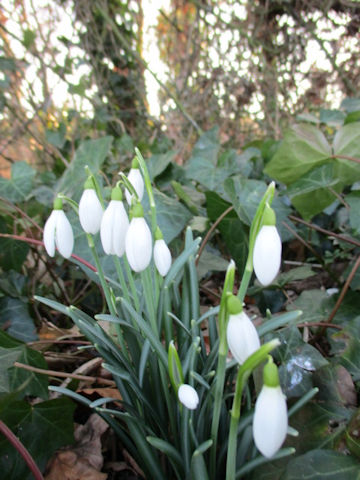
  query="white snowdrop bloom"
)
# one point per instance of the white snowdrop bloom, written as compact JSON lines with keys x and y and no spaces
{"x":267,"y":252}
{"x":188,"y":396}
{"x":162,"y":254}
{"x":137,"y":181}
{"x":114,"y":225}
{"x":90,"y":211}
{"x":138,"y":241}
{"x":58,"y":232}
{"x":270,"y":418}
{"x":242,"y":337}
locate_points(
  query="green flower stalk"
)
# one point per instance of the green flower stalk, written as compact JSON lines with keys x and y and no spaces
{"x":254,"y":230}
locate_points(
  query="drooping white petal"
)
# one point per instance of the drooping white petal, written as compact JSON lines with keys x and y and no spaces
{"x":49,"y":233}
{"x":138,"y":244}
{"x":64,"y":237}
{"x":242,"y":337}
{"x":162,"y":257}
{"x":270,"y":420}
{"x":113,"y":228}
{"x":90,"y":211}
{"x":188,"y":396}
{"x":137,"y":181}
{"x":120,"y":228}
{"x":267,"y":254}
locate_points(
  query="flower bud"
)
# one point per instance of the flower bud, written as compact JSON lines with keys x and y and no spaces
{"x":267,"y":250}
{"x":138,"y":241}
{"x":162,"y":255}
{"x":136,"y":179}
{"x":242,"y":337}
{"x":58,"y":232}
{"x":270,"y":418}
{"x":90,"y":209}
{"x":114,"y":225}
{"x":188,"y":396}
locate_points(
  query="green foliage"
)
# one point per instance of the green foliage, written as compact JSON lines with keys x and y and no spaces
{"x":42,"y":428}
{"x":24,"y":382}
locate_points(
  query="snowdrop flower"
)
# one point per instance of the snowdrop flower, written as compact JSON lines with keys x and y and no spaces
{"x":270,"y":418}
{"x":242,"y":337}
{"x":136,"y":179}
{"x":267,"y":249}
{"x":58,"y":232}
{"x":138,"y":241}
{"x":90,"y":209}
{"x":162,"y":255}
{"x":114,"y":225}
{"x":188,"y":396}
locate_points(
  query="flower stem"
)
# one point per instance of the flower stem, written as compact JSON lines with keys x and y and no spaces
{"x":132,"y":284}
{"x":103,"y":282}
{"x":221,"y":365}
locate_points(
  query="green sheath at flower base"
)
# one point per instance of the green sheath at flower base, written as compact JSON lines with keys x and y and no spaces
{"x":158,"y":234}
{"x":58,"y":204}
{"x":135,"y":163}
{"x":116,"y":194}
{"x":234,"y":305}
{"x":89,"y":184}
{"x":175,"y":369}
{"x":269,"y":216}
{"x":271,"y":374}
{"x":137,"y":211}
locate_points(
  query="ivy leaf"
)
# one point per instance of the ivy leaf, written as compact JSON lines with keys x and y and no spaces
{"x":312,"y":192}
{"x":15,"y":317}
{"x":42,"y":428}
{"x":304,"y":147}
{"x":322,"y":465}
{"x":91,"y":153}
{"x":347,"y":143}
{"x":14,"y":378}
{"x":18,"y":187}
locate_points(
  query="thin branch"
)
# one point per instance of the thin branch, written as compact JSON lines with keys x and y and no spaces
{"x":54,"y":373}
{"x":325,"y":232}
{"x":344,"y":290}
{"x":346,"y":157}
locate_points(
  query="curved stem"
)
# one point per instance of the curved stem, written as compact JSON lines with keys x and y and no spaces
{"x":343,"y":291}
{"x":211,"y":229}
{"x":5,"y":430}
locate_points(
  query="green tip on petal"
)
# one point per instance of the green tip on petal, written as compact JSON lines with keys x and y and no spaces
{"x":58,"y":204}
{"x":271,"y":374}
{"x":137,"y":210}
{"x":269,"y":216}
{"x":135,"y":163}
{"x":234,"y":305}
{"x":89,"y":184}
{"x":116,"y":194}
{"x":158,"y":234}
